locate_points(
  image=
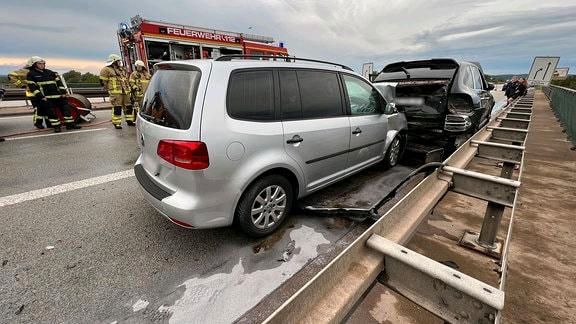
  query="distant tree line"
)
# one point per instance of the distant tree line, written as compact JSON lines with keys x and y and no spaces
{"x":77,"y":77}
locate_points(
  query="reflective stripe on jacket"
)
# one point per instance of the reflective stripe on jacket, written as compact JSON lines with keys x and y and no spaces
{"x":18,"y":79}
{"x":114,"y":80}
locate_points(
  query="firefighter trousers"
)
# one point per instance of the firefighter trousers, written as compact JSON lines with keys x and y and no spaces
{"x":56,"y":108}
{"x":121,"y":102}
{"x":39,"y":111}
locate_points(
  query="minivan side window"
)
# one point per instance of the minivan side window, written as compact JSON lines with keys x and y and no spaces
{"x":290,"y":103}
{"x":363,"y":98}
{"x":251,"y":95}
{"x":320,"y":94}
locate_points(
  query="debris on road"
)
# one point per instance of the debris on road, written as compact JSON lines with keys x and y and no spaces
{"x":19,"y":310}
{"x":288,"y":251}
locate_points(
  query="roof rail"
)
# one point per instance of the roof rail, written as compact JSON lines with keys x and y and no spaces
{"x":277,"y":57}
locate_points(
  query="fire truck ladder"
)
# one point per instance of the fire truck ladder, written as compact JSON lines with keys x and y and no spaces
{"x":379,"y":254}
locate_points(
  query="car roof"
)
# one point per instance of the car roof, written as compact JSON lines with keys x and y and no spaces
{"x":235,"y":64}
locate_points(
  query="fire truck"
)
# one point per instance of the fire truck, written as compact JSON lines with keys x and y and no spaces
{"x":156,"y":41}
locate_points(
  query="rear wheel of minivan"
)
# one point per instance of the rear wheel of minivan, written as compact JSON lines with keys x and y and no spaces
{"x":264,"y":205}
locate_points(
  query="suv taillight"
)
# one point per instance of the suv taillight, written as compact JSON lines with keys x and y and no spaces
{"x":185,"y":154}
{"x":460,"y":104}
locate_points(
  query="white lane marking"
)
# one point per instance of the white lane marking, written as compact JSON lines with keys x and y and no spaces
{"x":55,"y":134}
{"x":54,"y":190}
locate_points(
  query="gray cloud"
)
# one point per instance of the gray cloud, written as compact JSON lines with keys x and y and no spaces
{"x":503,"y":36}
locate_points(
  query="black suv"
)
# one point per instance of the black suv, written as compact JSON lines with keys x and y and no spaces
{"x":444,"y":99}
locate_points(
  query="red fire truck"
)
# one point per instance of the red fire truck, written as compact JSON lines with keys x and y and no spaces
{"x":155,"y":41}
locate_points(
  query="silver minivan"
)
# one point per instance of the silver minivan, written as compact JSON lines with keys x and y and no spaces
{"x":230,"y":141}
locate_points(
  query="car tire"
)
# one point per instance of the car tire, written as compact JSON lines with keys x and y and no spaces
{"x":264,"y":205}
{"x":394,"y":153}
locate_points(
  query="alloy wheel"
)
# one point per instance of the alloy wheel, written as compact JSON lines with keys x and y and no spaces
{"x":394,"y":151}
{"x":268,"y":207}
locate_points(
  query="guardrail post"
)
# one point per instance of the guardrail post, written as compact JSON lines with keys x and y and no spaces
{"x":486,"y":241}
{"x":493,"y":216}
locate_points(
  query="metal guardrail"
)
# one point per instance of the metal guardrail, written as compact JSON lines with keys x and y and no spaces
{"x":334,"y":291}
{"x":563,"y":101}
{"x":88,"y":90}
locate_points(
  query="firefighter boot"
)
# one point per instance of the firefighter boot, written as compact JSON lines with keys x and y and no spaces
{"x":57,"y":129}
{"x":39,"y":123}
{"x":129,"y":115}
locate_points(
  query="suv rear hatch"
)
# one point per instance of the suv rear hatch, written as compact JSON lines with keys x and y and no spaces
{"x":422,"y":90}
{"x":168,"y":127}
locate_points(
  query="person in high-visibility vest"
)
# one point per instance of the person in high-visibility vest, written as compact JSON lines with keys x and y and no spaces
{"x":48,"y":89}
{"x":114,"y":78}
{"x":18,"y":79}
{"x":139,"y":80}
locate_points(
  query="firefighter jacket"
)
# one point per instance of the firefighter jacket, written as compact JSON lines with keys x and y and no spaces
{"x":139,"y":82}
{"x":115,"y":80}
{"x":45,"y":84}
{"x":18,"y":79}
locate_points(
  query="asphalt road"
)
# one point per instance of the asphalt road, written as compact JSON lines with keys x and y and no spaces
{"x":80,"y":244}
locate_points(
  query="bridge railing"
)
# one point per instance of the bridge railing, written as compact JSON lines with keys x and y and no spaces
{"x":563,"y":101}
{"x":88,"y":90}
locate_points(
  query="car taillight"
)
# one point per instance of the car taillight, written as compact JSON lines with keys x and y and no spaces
{"x":184,"y":154}
{"x":460,"y":104}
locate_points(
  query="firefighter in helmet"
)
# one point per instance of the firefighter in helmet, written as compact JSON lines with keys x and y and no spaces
{"x":139,"y":80}
{"x":50,"y":92}
{"x":18,"y":79}
{"x":114,"y":78}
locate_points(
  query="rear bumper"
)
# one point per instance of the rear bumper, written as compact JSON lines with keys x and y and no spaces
{"x":181,"y":208}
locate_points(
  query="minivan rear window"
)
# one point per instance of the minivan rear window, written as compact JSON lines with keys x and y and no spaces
{"x":170,"y":98}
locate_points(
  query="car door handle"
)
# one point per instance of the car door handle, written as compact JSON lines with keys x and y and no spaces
{"x":295,"y":139}
{"x":357,"y":131}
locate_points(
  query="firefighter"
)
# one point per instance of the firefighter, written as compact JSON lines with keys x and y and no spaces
{"x":18,"y":79}
{"x":50,"y":92}
{"x":139,"y":80}
{"x":113,"y":77}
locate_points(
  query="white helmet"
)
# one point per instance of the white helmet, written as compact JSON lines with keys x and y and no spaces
{"x":140,"y":63}
{"x":113,"y":58}
{"x":33,"y":60}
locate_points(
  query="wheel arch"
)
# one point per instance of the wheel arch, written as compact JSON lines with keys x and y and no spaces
{"x":286,"y":172}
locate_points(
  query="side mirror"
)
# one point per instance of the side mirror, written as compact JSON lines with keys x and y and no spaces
{"x":391,"y":108}
{"x":490,"y":86}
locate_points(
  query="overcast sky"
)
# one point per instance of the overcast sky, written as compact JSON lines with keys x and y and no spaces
{"x":503,"y":36}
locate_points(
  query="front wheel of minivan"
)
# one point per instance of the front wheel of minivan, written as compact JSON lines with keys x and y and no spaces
{"x":394,"y":153}
{"x":264,"y":205}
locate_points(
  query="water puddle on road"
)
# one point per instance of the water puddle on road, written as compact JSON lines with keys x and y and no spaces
{"x":223,"y":297}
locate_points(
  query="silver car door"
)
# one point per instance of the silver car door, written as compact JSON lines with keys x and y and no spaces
{"x":316,"y":130}
{"x":368,"y":123}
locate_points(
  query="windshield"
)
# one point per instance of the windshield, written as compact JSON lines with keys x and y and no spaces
{"x":170,"y":98}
